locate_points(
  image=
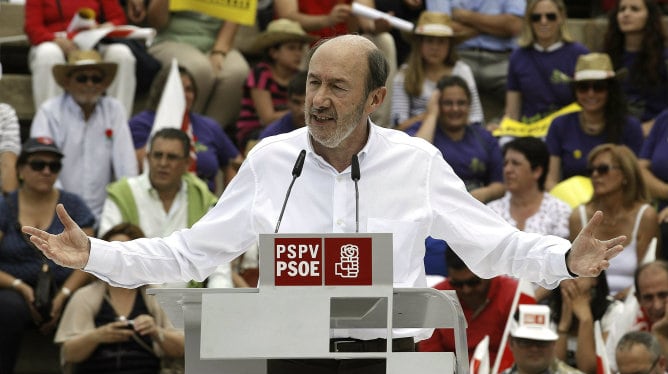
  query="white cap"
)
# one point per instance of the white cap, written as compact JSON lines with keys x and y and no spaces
{"x":534,"y":324}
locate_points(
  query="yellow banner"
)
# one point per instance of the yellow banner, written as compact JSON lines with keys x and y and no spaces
{"x":238,"y":11}
{"x":538,"y":129}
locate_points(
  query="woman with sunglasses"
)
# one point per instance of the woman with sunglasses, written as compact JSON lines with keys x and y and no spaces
{"x":545,"y":46}
{"x":620,"y":193}
{"x":635,"y":40}
{"x":603,"y":119}
{"x":33,"y":203}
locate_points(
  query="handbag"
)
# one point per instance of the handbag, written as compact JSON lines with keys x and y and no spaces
{"x":45,"y":286}
{"x":45,"y":289}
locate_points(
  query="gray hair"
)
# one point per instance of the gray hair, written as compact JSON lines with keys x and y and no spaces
{"x":643,"y":338}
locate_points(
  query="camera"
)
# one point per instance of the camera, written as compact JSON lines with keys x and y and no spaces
{"x":130,"y":323}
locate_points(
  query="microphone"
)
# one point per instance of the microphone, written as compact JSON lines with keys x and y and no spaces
{"x":296,"y":172}
{"x":355,"y":175}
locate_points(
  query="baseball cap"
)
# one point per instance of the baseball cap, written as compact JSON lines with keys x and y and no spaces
{"x":534,"y":324}
{"x":40,"y":144}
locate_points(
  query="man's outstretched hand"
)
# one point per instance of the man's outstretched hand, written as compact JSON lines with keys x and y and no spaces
{"x":589,"y":256}
{"x":70,"y":248}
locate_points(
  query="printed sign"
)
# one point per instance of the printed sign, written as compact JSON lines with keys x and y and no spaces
{"x":314,"y":262}
{"x":298,"y":261}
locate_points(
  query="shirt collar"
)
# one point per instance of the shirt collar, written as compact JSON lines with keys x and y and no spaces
{"x":551,"y":48}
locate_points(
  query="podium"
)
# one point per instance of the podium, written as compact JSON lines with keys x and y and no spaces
{"x":311,"y":286}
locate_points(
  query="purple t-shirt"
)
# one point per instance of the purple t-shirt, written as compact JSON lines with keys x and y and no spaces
{"x":530,"y":72}
{"x":476,"y":159}
{"x":645,"y":103}
{"x":655,"y":149}
{"x":214,"y":148}
{"x":566,"y":140}
{"x":280,"y":126}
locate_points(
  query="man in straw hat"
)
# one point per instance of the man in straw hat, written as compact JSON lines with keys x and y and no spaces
{"x":90,"y":128}
{"x":532,"y":343}
{"x":345,"y":84}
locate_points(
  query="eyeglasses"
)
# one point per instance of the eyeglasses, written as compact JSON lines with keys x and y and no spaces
{"x":536,"y":17}
{"x":473,"y":282}
{"x":171,"y":157}
{"x":528,"y":343}
{"x":85,"y":78}
{"x":597,"y":86}
{"x":452,"y":103}
{"x":600,"y":169}
{"x":39,"y":165}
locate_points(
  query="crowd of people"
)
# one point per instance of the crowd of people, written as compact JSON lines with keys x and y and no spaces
{"x":466,"y":70}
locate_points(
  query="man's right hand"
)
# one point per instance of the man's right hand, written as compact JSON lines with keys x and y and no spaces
{"x":70,"y":248}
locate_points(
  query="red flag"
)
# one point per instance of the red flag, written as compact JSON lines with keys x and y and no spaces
{"x":523,"y":295}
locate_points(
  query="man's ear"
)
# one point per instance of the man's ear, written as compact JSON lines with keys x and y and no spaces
{"x":376,"y":98}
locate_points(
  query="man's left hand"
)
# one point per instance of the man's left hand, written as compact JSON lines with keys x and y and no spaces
{"x":589,"y":256}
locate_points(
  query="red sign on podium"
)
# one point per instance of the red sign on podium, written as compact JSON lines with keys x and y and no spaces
{"x":303,"y":261}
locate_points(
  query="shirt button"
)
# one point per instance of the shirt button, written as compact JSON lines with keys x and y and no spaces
{"x":339,"y":222}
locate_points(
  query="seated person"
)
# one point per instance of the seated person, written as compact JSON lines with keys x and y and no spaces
{"x":89,"y":128}
{"x":533,"y":344}
{"x":34,"y":203}
{"x":486,"y":304}
{"x":214,"y":150}
{"x":107,"y":329}
{"x":640,"y":352}
{"x":265,"y":91}
{"x":294,"y":118}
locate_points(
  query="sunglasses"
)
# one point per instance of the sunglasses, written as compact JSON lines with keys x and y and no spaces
{"x":85,"y":78}
{"x":473,"y":282}
{"x":597,"y":86}
{"x":536,"y":17}
{"x":600,"y":169}
{"x":39,"y":165}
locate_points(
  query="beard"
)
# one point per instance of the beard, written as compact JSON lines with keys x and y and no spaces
{"x":332,"y":137}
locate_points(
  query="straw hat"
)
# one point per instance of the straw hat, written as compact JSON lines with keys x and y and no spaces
{"x":436,"y":24}
{"x":593,"y":66}
{"x":77,"y":60}
{"x":280,"y":31}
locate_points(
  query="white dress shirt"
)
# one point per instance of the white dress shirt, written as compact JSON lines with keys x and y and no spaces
{"x":406,"y":188}
{"x":97,"y":151}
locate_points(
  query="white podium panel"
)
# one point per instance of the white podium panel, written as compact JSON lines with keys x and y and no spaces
{"x":234,"y":331}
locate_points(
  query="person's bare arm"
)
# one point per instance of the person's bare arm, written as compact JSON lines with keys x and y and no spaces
{"x":513,"y":104}
{"x":80,"y":347}
{"x":657,"y":187}
{"x":554,"y":173}
{"x":501,"y":25}
{"x":289,"y":9}
{"x":428,"y":127}
{"x":490,"y":192}
{"x":264,"y":106}
{"x":8,"y":171}
{"x":157,"y":14}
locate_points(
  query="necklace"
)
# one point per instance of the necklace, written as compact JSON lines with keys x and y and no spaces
{"x":591,"y":128}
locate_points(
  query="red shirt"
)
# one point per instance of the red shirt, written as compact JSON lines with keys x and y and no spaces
{"x":490,"y":321}
{"x":321,"y":7}
{"x":43,"y":18}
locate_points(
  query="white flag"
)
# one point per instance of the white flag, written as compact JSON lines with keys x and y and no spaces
{"x":172,"y":106}
{"x":602,"y":365}
{"x":480,"y":360}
